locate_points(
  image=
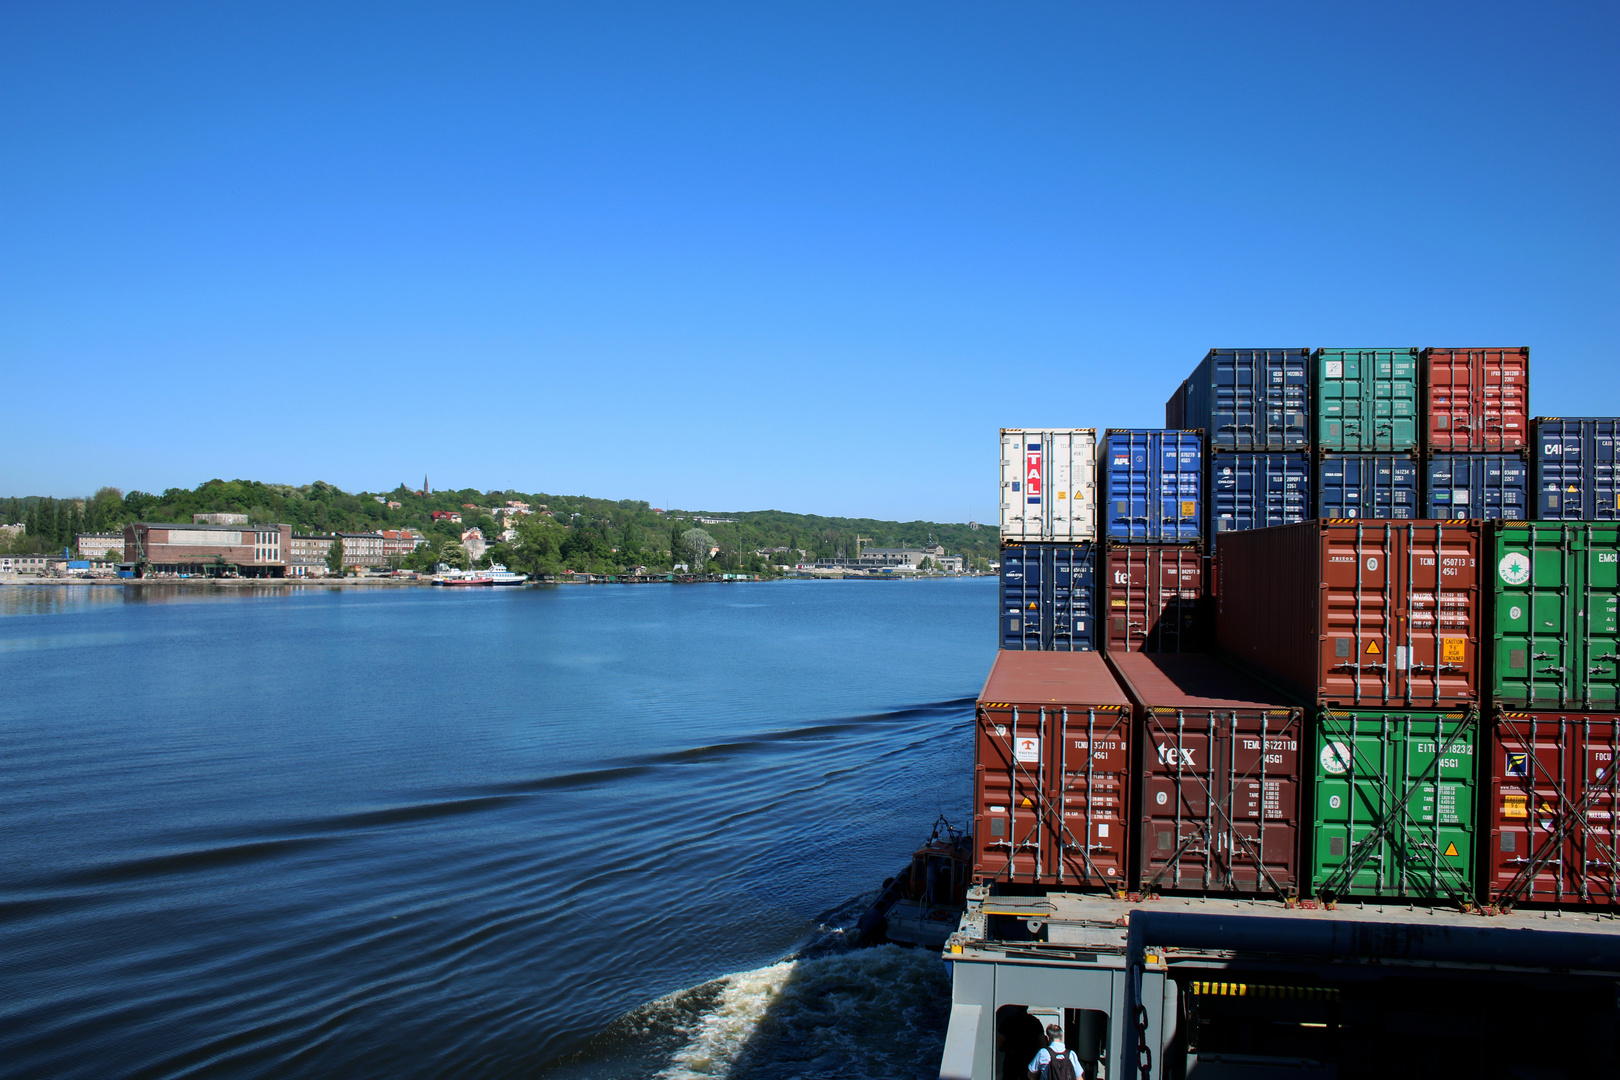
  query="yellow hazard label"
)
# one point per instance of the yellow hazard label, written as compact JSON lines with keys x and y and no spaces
{"x":1026,"y":802}
{"x":1453,"y":650}
{"x":1120,"y":603}
{"x":1373,"y":649}
{"x":1063,"y":494}
{"x":1513,"y":806}
{"x":1188,"y":509}
{"x":1451,"y":849}
{"x":1032,"y":605}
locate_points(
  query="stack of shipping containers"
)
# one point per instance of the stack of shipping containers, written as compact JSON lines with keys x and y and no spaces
{"x":1366,"y":433}
{"x":1476,"y":419}
{"x":1417,"y":692}
{"x":1152,"y":513}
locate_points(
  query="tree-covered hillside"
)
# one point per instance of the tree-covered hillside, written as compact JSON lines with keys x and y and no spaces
{"x":563,"y":531}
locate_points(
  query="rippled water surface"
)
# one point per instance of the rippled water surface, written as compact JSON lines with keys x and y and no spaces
{"x":565,"y":832}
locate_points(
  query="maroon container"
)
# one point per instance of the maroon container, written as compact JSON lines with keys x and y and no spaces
{"x":1052,"y":773}
{"x":1154,"y":601}
{"x":1357,"y":614}
{"x":1476,"y":400}
{"x":1554,"y":837}
{"x":1219,"y":778}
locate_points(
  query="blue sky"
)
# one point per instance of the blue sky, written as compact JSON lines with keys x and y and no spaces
{"x":806,"y":257}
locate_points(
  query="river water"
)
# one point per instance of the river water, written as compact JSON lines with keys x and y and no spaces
{"x":565,"y":833}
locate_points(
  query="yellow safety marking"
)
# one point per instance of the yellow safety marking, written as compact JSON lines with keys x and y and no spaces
{"x":1451,"y":849}
{"x":1453,"y":650}
{"x":1026,"y":802}
{"x":1373,"y":649}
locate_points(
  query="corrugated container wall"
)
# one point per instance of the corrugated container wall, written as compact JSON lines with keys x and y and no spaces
{"x":1219,"y":780}
{"x":1555,"y":615}
{"x":1250,"y":399}
{"x":1252,"y":491}
{"x":1554,"y":809}
{"x":1049,"y":484}
{"x":1394,"y":804}
{"x":1486,"y":486}
{"x":1155,"y":599}
{"x":1152,"y":485}
{"x":1356,"y":614}
{"x":1476,"y":400}
{"x":1366,"y":400}
{"x":1175,"y":409}
{"x":1368,"y":486}
{"x":1048,"y":597}
{"x":1052,"y":779}
{"x":1576,"y":470}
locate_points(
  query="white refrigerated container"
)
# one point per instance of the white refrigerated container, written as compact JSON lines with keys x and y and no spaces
{"x":1049,"y":484}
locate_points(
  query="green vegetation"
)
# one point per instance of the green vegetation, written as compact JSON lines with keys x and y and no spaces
{"x":564,"y":532}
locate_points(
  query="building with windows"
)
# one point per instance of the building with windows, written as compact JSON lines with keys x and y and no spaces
{"x":100,"y":546}
{"x":397,"y":543}
{"x":164,"y":548}
{"x":362,"y":549}
{"x":307,"y":554}
{"x":912,"y":559}
{"x":475,"y":543}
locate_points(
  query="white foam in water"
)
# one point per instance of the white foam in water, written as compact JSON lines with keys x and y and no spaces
{"x":876,"y":1013}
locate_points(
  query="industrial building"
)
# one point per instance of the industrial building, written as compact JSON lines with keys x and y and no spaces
{"x":163,"y":548}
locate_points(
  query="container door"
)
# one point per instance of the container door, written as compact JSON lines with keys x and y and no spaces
{"x":1600,"y":615}
{"x":1450,"y":400}
{"x":1013,"y":815}
{"x":1436,"y":845}
{"x":1131,"y":487}
{"x":1261,"y":797}
{"x":1504,"y":400}
{"x":1605,"y":471}
{"x":1338,"y":399}
{"x":1127,"y":597}
{"x":1559,"y":468}
{"x":1534,"y":581}
{"x":1287,"y":400}
{"x":1180,"y":488}
{"x":1092,"y":782}
{"x":1070,"y":570}
{"x":1437,"y":657}
{"x":1023,"y":475}
{"x":1361,"y":626}
{"x":1020,"y":597}
{"x":1180,"y":768}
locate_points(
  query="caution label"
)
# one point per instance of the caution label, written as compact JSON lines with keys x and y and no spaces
{"x":1120,"y":603}
{"x":1451,"y":849}
{"x":1188,"y":509}
{"x":1513,"y":806}
{"x":1453,"y":650}
{"x":1373,"y":649}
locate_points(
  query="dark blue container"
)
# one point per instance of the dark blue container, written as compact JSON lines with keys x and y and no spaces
{"x":1153,"y":485}
{"x":1049,"y":597}
{"x":1250,"y":399}
{"x":1252,"y":491}
{"x":1575,"y":467}
{"x":1367,"y":486}
{"x":1490,"y":486}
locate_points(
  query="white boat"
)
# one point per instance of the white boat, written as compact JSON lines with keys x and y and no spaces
{"x":500,"y":575}
{"x":462,"y":578}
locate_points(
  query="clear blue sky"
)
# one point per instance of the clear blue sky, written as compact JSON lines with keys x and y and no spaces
{"x":802,"y":256}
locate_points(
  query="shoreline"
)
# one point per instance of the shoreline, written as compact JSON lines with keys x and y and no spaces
{"x":227,"y":584}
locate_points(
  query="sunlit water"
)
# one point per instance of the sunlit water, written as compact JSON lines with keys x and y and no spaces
{"x":574,"y":832}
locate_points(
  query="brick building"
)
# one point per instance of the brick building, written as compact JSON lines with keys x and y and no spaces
{"x":398,"y":543}
{"x":205,"y":549}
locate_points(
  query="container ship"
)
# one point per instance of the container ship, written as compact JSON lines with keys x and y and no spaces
{"x":1297,"y":758}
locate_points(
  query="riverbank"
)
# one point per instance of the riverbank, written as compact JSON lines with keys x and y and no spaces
{"x":226,"y":584}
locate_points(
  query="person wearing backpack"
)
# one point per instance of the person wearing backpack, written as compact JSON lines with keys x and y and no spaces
{"x":1054,"y":1062}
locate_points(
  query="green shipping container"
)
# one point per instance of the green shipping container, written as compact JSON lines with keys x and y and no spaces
{"x":1366,"y":400}
{"x":1556,"y":614}
{"x":1394,"y":804}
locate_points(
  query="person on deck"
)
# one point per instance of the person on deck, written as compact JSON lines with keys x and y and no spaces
{"x":1054,"y":1062}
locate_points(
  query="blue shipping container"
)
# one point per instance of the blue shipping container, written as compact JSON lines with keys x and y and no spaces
{"x":1367,"y":486}
{"x":1490,"y":486}
{"x":1252,"y":491}
{"x":1153,"y":485}
{"x":1250,"y":399}
{"x":1048,"y":597}
{"x":1575,"y":467}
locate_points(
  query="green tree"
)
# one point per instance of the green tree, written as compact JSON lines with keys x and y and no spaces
{"x":454,"y":555}
{"x":334,"y":556}
{"x":695,"y":547}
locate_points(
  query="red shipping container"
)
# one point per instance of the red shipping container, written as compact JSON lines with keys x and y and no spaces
{"x":1052,"y":773}
{"x":1155,"y":599}
{"x":1554,"y":836}
{"x":1220,"y":777}
{"x":1476,"y":400}
{"x":1357,"y":614}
